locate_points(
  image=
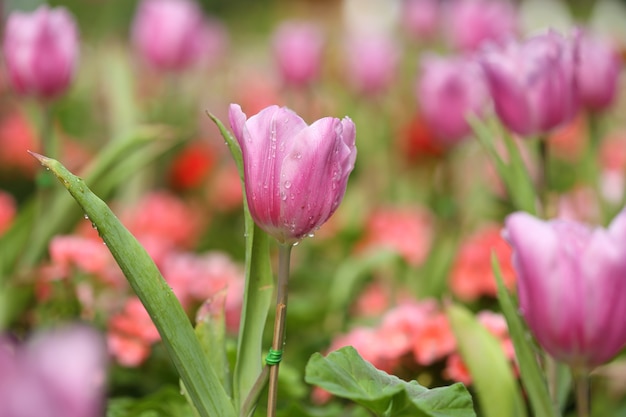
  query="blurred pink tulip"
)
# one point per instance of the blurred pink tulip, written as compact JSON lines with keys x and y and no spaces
{"x":598,"y":69}
{"x":448,"y":91}
{"x":372,"y":61}
{"x":470,"y":23}
{"x":533,"y":83}
{"x":41,"y":51}
{"x":170,"y":35}
{"x":295,"y":174}
{"x":420,"y":18}
{"x":57,"y":373}
{"x":571,"y":286}
{"x":298,"y":48}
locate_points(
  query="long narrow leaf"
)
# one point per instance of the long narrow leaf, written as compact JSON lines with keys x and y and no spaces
{"x":530,"y":372}
{"x":257,"y":296}
{"x":173,"y":325}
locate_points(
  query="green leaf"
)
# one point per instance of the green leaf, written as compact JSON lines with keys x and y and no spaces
{"x":493,"y":379}
{"x":166,"y":402}
{"x":514,"y":173}
{"x":199,"y":377}
{"x":257,"y":296}
{"x":530,"y":371}
{"x":345,"y":374}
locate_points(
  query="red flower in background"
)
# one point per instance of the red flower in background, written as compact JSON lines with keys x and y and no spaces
{"x":192,"y":166}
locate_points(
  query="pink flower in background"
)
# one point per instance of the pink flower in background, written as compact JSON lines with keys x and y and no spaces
{"x":295,"y":174}
{"x":598,"y":68}
{"x":225,"y":193}
{"x":372,"y":62}
{"x":472,"y":23}
{"x":471,"y":276}
{"x":406,"y":230}
{"x":8,"y":209}
{"x":533,"y":83}
{"x":571,"y":286}
{"x":449,"y":90}
{"x":433,"y":340}
{"x":56,"y":373}
{"x":41,"y":51}
{"x":298,"y":47}
{"x":456,"y":370}
{"x":88,"y":255}
{"x":420,"y":18}
{"x":170,"y":34}
{"x":612,"y":161}
{"x":131,"y":334}
{"x":164,"y":219}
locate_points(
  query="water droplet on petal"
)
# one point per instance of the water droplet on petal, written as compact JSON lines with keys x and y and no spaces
{"x":86,"y":217}
{"x":287,"y":184}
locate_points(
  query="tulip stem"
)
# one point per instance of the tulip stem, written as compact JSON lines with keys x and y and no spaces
{"x":582,"y":393}
{"x":278,"y":341}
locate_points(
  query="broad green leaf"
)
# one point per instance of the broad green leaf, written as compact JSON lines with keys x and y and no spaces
{"x":257,"y":296}
{"x":530,"y":372}
{"x":493,"y":379}
{"x":345,"y":374}
{"x":200,"y":379}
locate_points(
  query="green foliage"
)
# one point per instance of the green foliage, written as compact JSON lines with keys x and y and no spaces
{"x":345,"y":374}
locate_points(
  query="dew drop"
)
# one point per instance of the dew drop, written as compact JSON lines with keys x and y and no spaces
{"x":311,"y":234}
{"x":86,"y":217}
{"x":287,"y":184}
{"x":296,"y":243}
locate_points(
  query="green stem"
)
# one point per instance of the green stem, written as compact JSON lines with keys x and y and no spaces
{"x":278,"y":342}
{"x":544,"y":188}
{"x":582,"y":394}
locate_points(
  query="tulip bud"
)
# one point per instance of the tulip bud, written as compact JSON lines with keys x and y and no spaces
{"x":372,"y":61}
{"x":295,"y":175}
{"x":448,"y":91}
{"x":533,"y":83}
{"x":571,"y":286}
{"x":170,"y":35}
{"x":41,"y":51}
{"x":471,"y":23}
{"x":298,"y":48}
{"x":597,"y":71}
{"x":420,"y":18}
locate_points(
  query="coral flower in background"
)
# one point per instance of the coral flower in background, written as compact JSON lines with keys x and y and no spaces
{"x":8,"y":209}
{"x":571,"y":286}
{"x":533,"y":83}
{"x":295,"y":174}
{"x":471,"y":276}
{"x":59,"y":372}
{"x":448,"y":91}
{"x":171,"y":35}
{"x":471,"y":23}
{"x":41,"y":51}
{"x":372,"y":61}
{"x":598,"y":69}
{"x":298,"y":48}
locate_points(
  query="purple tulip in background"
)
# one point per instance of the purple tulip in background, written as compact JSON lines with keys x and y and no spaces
{"x":598,"y":69}
{"x":471,"y":23}
{"x":295,"y":174}
{"x":420,"y":18}
{"x":571,"y":286}
{"x":57,"y":373}
{"x":298,"y":48}
{"x":372,"y":62}
{"x":450,"y":89}
{"x":170,"y":35}
{"x":533,"y":83}
{"x":41,"y":51}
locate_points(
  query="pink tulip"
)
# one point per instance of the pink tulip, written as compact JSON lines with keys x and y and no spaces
{"x":41,"y":51}
{"x":57,"y":373}
{"x":170,"y":35}
{"x":372,"y":61}
{"x":298,"y":48}
{"x":448,"y":91}
{"x":295,"y":174}
{"x":420,"y":18}
{"x":597,"y":71}
{"x":470,"y":23}
{"x":533,"y":83}
{"x":571,"y":286}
